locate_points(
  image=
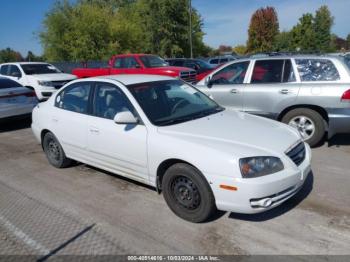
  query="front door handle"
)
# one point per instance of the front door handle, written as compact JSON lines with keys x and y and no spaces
{"x":285,"y":91}
{"x":94,"y":130}
{"x":234,"y":91}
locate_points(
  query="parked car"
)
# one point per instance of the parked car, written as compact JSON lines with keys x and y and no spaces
{"x":138,"y":64}
{"x":219,"y":60}
{"x":165,"y":133}
{"x":202,"y":67}
{"x":15,"y":100}
{"x":310,"y":93}
{"x":43,"y":78}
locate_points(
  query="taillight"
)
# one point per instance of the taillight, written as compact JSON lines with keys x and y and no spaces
{"x":346,"y":96}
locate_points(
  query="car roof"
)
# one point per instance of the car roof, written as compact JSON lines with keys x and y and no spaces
{"x":24,"y":63}
{"x":131,"y":79}
{"x":279,"y":57}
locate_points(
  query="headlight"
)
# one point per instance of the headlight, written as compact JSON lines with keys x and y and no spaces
{"x":260,"y":166}
{"x":45,"y":83}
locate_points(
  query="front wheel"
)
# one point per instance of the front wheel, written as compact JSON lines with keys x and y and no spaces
{"x":187,"y":193}
{"x":54,"y":151}
{"x":308,"y":122}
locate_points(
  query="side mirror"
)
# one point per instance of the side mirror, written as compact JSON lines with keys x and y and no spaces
{"x":208,"y":82}
{"x":125,"y":117}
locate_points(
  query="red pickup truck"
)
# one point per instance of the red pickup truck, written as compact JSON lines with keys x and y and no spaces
{"x":138,"y":64}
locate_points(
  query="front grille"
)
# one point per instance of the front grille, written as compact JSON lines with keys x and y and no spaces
{"x":297,"y":153}
{"x":59,"y":84}
{"x":188,"y":76}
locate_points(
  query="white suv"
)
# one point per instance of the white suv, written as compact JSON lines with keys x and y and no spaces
{"x":44,"y":78}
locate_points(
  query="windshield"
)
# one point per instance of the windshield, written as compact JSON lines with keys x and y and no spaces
{"x":153,"y":61}
{"x":38,"y":69}
{"x":172,"y":101}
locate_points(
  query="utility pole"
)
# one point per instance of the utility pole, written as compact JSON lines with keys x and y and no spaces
{"x":190,"y":33}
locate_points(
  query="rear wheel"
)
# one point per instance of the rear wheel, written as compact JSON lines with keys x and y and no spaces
{"x":187,"y":193}
{"x":54,"y":151}
{"x":308,"y":122}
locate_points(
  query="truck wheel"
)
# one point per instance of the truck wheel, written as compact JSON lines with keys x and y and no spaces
{"x":187,"y":193}
{"x":308,"y":122}
{"x":54,"y":151}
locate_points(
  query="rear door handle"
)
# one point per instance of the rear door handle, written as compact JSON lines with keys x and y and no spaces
{"x":285,"y":91}
{"x":234,"y":91}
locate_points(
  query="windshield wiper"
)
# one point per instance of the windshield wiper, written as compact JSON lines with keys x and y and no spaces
{"x":191,"y":117}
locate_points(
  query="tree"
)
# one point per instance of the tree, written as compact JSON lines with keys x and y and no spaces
{"x":95,"y":29}
{"x":303,"y":34}
{"x":348,"y":40}
{"x":166,"y":27}
{"x":10,"y":55}
{"x":240,"y":49}
{"x":80,"y":33}
{"x":283,"y":42}
{"x":263,"y":30}
{"x":323,"y":22}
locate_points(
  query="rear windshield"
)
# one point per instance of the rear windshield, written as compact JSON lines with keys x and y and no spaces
{"x":38,"y":69}
{"x":8,"y":83}
{"x":153,"y":61}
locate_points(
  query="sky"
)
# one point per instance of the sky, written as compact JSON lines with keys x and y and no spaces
{"x":225,"y":21}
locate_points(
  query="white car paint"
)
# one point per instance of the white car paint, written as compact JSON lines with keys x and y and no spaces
{"x":33,"y":81}
{"x":212,"y":144}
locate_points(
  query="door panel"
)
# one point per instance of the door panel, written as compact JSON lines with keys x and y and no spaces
{"x":69,"y":120}
{"x":122,"y":148}
{"x":227,"y":85}
{"x":117,"y":147}
{"x":272,"y":88}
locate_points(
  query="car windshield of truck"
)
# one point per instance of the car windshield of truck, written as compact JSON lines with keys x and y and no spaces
{"x":172,"y":101}
{"x":150,"y":61}
{"x":38,"y":69}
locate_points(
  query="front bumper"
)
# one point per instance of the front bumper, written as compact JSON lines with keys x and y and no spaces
{"x":252,"y":193}
{"x":339,"y":121}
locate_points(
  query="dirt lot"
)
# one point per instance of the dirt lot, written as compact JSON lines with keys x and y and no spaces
{"x":82,"y":210}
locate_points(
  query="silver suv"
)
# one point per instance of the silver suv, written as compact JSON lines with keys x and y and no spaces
{"x":310,"y":93}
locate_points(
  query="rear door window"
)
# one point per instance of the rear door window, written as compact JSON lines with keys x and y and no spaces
{"x":5,"y":69}
{"x":317,"y":70}
{"x":74,"y":98}
{"x":267,"y":71}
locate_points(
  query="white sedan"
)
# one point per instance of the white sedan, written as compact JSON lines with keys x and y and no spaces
{"x":167,"y":134}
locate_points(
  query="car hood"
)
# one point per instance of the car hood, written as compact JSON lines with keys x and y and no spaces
{"x":231,"y":128}
{"x":54,"y":77}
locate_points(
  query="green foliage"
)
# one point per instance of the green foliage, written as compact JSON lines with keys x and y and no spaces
{"x":348,"y":39}
{"x":240,"y":49}
{"x":323,"y":22}
{"x":263,"y":30}
{"x":283,"y":42}
{"x":9,"y":55}
{"x":303,"y":35}
{"x":96,"y":29}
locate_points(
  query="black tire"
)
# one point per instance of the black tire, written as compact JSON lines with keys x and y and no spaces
{"x":187,"y":193}
{"x":54,"y":151}
{"x":317,"y":120}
